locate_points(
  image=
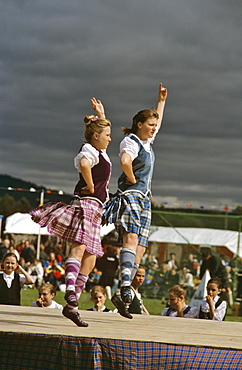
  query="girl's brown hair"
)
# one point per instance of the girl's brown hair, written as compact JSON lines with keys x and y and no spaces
{"x":215,"y":280}
{"x":9,"y":254}
{"x":94,"y":125}
{"x":141,"y":116}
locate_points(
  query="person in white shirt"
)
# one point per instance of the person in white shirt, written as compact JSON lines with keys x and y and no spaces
{"x":99,"y":296}
{"x":13,"y":278}
{"x":212,"y":306}
{"x":178,"y":306}
{"x":46,"y":295}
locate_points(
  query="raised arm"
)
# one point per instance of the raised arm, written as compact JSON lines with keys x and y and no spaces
{"x":28,"y":277}
{"x":162,"y":95}
{"x":98,"y":108}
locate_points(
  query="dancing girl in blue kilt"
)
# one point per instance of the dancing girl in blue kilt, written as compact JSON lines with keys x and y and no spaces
{"x":130,"y":207}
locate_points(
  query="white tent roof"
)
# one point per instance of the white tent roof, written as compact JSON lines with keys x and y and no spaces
{"x":197,"y":236}
{"x":21,"y":223}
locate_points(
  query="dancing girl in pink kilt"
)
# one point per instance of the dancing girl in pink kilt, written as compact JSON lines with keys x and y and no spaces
{"x":80,"y":222}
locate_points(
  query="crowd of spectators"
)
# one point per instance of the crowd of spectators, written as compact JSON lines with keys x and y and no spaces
{"x":49,"y":268}
{"x":159,"y":277}
{"x":187,"y":273}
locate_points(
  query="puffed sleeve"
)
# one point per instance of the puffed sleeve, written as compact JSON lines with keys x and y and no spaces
{"x":129,"y":146}
{"x":89,"y":152}
{"x":220,"y":311}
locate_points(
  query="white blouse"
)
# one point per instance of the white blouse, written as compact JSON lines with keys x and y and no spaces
{"x":219,"y":312}
{"x":192,"y":313}
{"x":92,"y":154}
{"x":130,"y":146}
{"x":9,"y":279}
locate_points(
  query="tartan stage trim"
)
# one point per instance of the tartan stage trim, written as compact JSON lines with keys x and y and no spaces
{"x":20,"y":351}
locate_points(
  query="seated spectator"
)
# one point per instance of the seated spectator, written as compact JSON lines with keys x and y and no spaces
{"x":158,"y":285}
{"x":28,"y":253}
{"x":137,"y":305}
{"x":13,"y":278}
{"x":178,"y":306}
{"x":4,"y":248}
{"x":213,"y":307}
{"x":20,"y":246}
{"x":36,"y":270}
{"x":43,"y":255}
{"x":93,"y":279}
{"x":99,"y":296}
{"x":23,"y":263}
{"x":12,"y":249}
{"x":47,"y":293}
{"x":186,"y":281}
{"x":172,"y":263}
{"x":59,"y":253}
{"x":54,"y":272}
{"x":172,"y":278}
{"x":192,"y":265}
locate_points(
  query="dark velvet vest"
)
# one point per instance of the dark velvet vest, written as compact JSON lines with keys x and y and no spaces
{"x":10,"y":295}
{"x":101,"y":175}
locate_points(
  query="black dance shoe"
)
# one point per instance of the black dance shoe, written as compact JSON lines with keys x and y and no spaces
{"x":74,"y":316}
{"x":122,"y":309}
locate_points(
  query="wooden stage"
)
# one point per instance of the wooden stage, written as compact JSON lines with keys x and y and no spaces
{"x":164,"y":333}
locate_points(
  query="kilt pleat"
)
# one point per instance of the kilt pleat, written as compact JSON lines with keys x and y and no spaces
{"x":79,"y":221}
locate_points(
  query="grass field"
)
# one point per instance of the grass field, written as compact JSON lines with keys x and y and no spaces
{"x":154,"y":306}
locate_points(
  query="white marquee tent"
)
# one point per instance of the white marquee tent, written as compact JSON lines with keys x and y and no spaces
{"x":198,"y":236}
{"x":21,"y":223}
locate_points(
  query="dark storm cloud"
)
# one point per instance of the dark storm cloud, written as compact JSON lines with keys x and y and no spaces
{"x":56,"y":55}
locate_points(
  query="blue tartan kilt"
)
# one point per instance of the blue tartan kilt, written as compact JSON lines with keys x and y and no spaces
{"x":130,"y":211}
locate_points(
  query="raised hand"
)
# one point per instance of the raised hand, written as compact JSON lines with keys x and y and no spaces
{"x":162,"y":94}
{"x":98,"y":107}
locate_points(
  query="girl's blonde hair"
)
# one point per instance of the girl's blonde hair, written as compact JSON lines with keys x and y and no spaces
{"x":177,"y":290}
{"x":98,"y":289}
{"x":94,"y":125}
{"x":48,"y":286}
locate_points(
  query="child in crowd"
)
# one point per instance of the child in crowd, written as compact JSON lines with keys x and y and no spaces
{"x":137,"y":305}
{"x":13,"y":278}
{"x":178,"y":306}
{"x":98,"y":296}
{"x":212,"y":306}
{"x":46,"y":295}
{"x":80,"y":222}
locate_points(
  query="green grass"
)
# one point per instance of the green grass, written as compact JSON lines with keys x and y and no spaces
{"x":154,"y":306}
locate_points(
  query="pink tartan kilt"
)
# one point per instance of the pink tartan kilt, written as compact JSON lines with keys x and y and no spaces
{"x":79,"y":221}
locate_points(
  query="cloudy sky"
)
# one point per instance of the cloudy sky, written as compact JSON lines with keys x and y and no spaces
{"x":56,"y":55}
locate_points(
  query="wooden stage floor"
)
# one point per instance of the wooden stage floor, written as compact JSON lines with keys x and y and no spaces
{"x":191,"y":332}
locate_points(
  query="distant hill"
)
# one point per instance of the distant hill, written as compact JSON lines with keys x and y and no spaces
{"x":20,"y":189}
